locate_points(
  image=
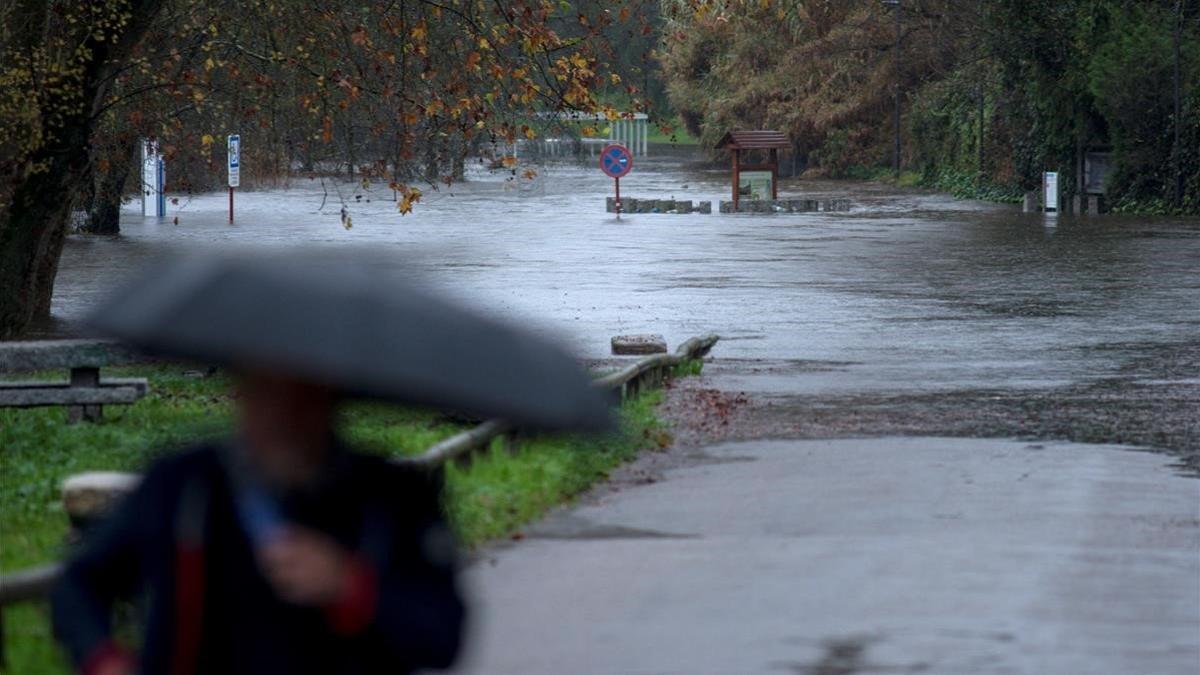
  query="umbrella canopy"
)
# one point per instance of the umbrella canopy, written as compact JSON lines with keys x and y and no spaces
{"x":354,"y":328}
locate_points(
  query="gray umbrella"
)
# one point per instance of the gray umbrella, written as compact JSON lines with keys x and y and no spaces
{"x":356,"y":328}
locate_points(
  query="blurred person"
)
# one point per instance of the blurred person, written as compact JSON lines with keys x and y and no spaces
{"x":277,"y":551}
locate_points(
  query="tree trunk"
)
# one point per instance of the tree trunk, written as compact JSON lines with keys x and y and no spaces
{"x":104,"y":213}
{"x":34,"y":226}
{"x":31,"y":240}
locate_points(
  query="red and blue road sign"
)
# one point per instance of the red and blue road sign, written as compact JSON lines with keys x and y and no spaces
{"x":616,"y":160}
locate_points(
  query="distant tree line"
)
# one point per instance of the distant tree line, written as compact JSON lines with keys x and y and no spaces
{"x":992,"y":92}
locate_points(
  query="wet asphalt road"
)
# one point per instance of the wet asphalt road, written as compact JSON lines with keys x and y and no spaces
{"x":893,"y":555}
{"x":912,"y":315}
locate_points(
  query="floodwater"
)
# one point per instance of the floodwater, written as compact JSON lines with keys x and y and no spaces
{"x":907,"y":291}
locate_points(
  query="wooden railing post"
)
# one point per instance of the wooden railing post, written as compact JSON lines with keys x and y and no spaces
{"x":84,"y":378}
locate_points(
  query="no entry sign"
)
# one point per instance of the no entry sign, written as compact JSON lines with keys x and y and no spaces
{"x":616,"y":160}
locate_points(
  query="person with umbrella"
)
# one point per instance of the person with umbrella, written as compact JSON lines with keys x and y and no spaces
{"x":281,"y":550}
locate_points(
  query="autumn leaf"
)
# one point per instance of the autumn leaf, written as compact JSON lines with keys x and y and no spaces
{"x":408,"y":197}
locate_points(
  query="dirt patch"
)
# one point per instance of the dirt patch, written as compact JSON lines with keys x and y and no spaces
{"x":1161,"y":414}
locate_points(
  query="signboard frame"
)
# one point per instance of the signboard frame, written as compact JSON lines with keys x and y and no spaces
{"x":1050,"y":195}
{"x":154,"y":199}
{"x":234,"y":152}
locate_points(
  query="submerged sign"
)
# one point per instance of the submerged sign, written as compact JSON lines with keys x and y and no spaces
{"x":755,"y":184}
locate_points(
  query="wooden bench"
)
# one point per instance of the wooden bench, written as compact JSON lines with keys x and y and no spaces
{"x":84,"y":393}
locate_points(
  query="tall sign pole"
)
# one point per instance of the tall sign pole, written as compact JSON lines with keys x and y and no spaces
{"x":616,"y":161}
{"x":235,"y":168}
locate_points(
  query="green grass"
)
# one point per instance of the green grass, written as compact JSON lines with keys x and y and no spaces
{"x":502,"y":489}
{"x":677,"y":136}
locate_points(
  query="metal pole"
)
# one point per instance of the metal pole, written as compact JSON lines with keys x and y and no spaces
{"x":617,"y":182}
{"x":231,"y":206}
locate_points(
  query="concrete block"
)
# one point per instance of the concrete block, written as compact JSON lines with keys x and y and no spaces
{"x":610,"y":204}
{"x":726,"y":207}
{"x":629,"y":205}
{"x":1095,"y":205}
{"x":90,"y":496}
{"x":647,"y":205}
{"x":1030,"y":203}
{"x":666,"y":205}
{"x":639,"y":344}
{"x":683,"y":206}
{"x":704,"y":207}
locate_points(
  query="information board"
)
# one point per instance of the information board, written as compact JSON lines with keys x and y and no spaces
{"x":235,"y":160}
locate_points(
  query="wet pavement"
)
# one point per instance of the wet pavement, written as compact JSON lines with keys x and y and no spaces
{"x":893,"y":555}
{"x":913,"y":315}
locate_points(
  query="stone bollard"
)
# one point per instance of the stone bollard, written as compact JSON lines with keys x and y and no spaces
{"x":1030,"y":203}
{"x":704,"y":207}
{"x":639,"y":344}
{"x":1078,"y":204}
{"x":88,"y":497}
{"x":1095,"y":205}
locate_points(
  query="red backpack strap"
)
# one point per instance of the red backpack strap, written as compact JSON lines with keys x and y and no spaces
{"x":189,"y":576}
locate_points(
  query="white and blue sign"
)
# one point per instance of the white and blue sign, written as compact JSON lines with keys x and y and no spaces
{"x":616,"y":161}
{"x":154,"y":176}
{"x":235,"y":160}
{"x":1050,"y":191}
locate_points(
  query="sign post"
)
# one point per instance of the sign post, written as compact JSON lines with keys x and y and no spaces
{"x":154,"y":200}
{"x":235,"y":168}
{"x":1050,"y":191}
{"x":616,"y":161}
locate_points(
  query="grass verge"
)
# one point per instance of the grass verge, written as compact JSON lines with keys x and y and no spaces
{"x":502,"y":489}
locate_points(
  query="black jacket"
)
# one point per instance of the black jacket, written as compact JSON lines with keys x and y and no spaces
{"x":177,"y":547}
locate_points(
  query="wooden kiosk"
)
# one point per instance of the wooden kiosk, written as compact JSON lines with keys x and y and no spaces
{"x":737,"y":141}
